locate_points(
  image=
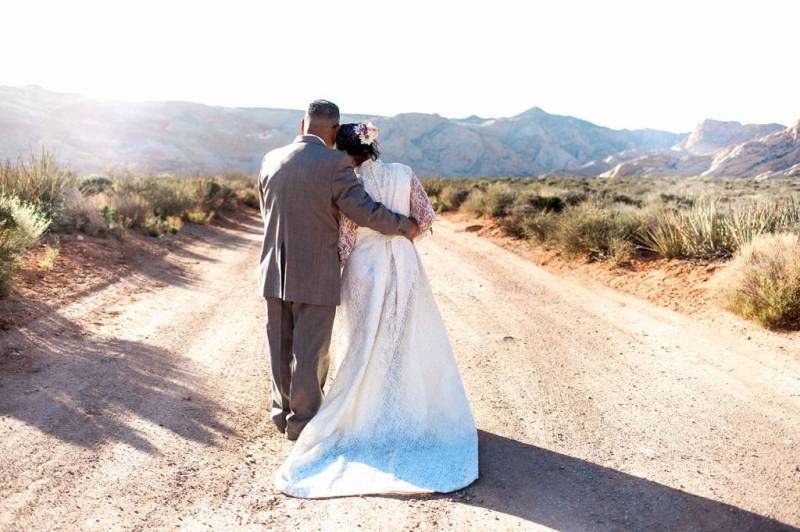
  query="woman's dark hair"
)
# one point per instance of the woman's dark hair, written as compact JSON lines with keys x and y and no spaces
{"x":348,"y":141}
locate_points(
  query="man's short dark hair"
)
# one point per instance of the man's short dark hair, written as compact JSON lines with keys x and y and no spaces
{"x":323,"y":110}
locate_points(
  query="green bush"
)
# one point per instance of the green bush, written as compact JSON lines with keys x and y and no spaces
{"x":21,"y":226}
{"x":533,"y":201}
{"x":475,"y":202}
{"x":434,"y":187}
{"x":95,"y":185}
{"x":208,"y":195}
{"x":762,"y":282}
{"x":524,"y":222}
{"x":164,"y":195}
{"x":452,"y":196}
{"x":499,"y":199}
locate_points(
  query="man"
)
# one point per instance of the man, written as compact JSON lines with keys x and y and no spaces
{"x":303,"y":188}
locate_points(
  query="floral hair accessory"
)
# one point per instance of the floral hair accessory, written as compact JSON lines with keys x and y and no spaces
{"x":367,"y":133}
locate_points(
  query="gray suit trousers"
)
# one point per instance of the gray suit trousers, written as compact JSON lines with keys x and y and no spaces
{"x":299,"y":336}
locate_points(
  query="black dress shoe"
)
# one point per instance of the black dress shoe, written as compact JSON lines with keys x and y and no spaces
{"x":280,"y":423}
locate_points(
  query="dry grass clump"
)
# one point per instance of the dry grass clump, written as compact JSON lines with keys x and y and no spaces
{"x":51,"y":253}
{"x":129,"y":209}
{"x":452,"y":196}
{"x":762,"y":282}
{"x":595,"y":232}
{"x":493,"y":200}
{"x":84,"y":213}
{"x":38,"y":181}
{"x":533,"y":216}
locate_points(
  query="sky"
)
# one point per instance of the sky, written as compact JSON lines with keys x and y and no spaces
{"x":618,"y":63}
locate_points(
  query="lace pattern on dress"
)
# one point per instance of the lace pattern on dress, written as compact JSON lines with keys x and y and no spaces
{"x":421,"y":211}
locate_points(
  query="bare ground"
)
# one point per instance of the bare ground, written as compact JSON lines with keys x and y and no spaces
{"x":142,"y":404}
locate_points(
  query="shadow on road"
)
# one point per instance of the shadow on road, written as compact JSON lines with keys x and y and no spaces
{"x":87,"y":390}
{"x":227,"y":232}
{"x":567,"y":493}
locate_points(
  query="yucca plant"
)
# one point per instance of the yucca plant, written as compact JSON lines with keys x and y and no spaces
{"x":662,"y":233}
{"x":746,"y":222}
{"x":703,"y":229}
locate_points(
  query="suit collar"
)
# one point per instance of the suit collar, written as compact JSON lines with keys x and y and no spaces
{"x":311,"y":139}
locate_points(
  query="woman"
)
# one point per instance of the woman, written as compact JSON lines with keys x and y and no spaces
{"x":396,"y":419}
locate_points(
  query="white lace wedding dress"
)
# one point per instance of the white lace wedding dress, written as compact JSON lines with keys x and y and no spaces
{"x":396,"y":418}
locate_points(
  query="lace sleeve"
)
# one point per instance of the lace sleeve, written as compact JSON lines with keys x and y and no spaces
{"x":347,"y":237}
{"x":421,"y":208}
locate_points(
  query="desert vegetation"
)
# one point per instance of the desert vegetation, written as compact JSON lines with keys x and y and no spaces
{"x":755,"y":223}
{"x":38,"y":196}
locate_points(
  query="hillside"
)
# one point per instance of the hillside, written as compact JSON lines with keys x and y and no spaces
{"x":722,"y":149}
{"x":91,"y":135}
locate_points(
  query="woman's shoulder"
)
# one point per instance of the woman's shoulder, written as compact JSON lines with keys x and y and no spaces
{"x":399,"y":169}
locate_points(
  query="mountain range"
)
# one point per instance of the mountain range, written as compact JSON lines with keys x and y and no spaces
{"x":93,"y":135}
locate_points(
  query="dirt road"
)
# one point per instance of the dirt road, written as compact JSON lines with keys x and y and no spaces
{"x":143,"y":405}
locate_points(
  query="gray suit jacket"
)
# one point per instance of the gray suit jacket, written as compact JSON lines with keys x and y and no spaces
{"x":303,"y":187}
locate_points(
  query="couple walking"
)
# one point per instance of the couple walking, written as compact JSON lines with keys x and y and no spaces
{"x":341,"y":274}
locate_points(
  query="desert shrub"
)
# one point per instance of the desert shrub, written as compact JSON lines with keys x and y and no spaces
{"x":21,"y":226}
{"x":206,"y":194}
{"x":164,"y":195}
{"x":199,"y":216}
{"x":475,"y":203}
{"x":433,"y":187}
{"x":131,"y":209}
{"x":493,"y":199}
{"x":453,"y":195}
{"x":249,"y":197}
{"x":576,"y":198}
{"x":83,"y":213}
{"x":499,"y":199}
{"x":533,"y":201}
{"x":533,"y":216}
{"x":51,"y":253}
{"x":155,"y":226}
{"x":530,"y":224}
{"x":595,"y":232}
{"x":679,"y":201}
{"x":626,"y":200}
{"x":38,"y":181}
{"x":95,"y":185}
{"x":621,"y":249}
{"x":762,"y":282}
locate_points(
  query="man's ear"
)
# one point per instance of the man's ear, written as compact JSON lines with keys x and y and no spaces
{"x":302,"y":126}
